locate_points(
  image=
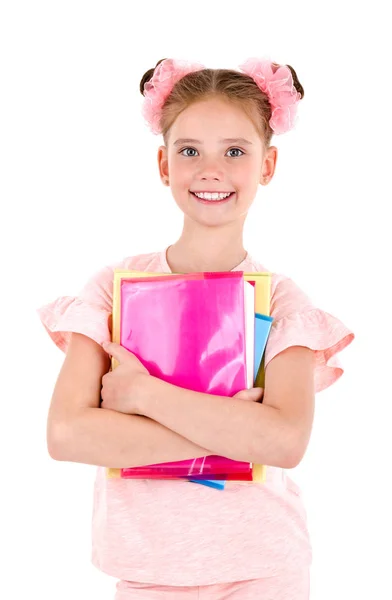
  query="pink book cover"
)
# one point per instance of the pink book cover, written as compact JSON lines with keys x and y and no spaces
{"x":188,"y":330}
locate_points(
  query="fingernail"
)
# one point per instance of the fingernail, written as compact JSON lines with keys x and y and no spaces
{"x":256,"y":390}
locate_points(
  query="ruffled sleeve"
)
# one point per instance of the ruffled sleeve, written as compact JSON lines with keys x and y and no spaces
{"x":88,"y":313}
{"x":297,"y":322}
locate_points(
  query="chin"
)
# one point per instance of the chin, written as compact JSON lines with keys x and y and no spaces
{"x":213,"y":221}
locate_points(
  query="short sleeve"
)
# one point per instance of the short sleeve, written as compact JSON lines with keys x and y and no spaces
{"x":297,"y":322}
{"x":88,"y":313}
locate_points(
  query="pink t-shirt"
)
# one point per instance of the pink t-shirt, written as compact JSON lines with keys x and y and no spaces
{"x":181,"y":533}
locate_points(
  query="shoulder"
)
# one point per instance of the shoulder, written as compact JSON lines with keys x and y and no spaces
{"x":287,"y":296}
{"x":151,"y":261}
{"x":89,"y":312}
{"x":299,"y":322}
{"x":99,"y":286}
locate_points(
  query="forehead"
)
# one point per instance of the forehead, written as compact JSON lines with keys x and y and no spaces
{"x":213,"y":118}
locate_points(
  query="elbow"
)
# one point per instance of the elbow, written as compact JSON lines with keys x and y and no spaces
{"x":292,"y":461}
{"x":295,"y":455}
{"x":56,"y":440}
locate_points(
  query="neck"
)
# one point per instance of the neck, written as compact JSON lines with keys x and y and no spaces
{"x":209,"y":249}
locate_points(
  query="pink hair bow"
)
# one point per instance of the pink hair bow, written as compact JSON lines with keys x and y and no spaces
{"x":277,"y":83}
{"x":158,"y":88}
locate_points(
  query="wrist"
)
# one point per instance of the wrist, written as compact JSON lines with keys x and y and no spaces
{"x":143,"y":385}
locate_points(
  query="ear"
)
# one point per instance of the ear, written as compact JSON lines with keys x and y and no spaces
{"x":163,"y":165}
{"x":269,"y":165}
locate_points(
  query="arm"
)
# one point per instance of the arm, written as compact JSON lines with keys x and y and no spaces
{"x":229,"y":427}
{"x":274,"y":433}
{"x":107,"y":438}
{"x":79,"y":431}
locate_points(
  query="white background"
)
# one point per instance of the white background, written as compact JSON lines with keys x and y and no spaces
{"x":74,"y":148}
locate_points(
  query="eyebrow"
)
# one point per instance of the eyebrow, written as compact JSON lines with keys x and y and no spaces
{"x":181,"y":141}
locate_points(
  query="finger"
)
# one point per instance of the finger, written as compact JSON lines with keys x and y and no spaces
{"x":241,"y":394}
{"x":250,"y":394}
{"x":117,"y":351}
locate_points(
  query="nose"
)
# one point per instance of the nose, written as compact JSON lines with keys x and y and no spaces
{"x":211,"y":170}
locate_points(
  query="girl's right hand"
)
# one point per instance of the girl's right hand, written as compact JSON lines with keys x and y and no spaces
{"x":253,"y":395}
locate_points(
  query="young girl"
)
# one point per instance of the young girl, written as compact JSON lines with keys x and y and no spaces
{"x":177,"y":539}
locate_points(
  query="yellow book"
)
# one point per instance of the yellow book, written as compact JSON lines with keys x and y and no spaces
{"x":262,"y":306}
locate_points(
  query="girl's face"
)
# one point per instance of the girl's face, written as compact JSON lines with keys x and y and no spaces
{"x":214,"y":147}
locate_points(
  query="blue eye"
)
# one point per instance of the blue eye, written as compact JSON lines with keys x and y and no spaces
{"x":236,"y":149}
{"x":181,"y":151}
{"x":230,"y":150}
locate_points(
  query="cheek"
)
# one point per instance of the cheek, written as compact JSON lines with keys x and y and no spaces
{"x":180,"y":173}
{"x":244,"y":170}
{"x":250,"y":177}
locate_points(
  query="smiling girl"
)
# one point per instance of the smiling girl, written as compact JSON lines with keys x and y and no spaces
{"x":167,"y":539}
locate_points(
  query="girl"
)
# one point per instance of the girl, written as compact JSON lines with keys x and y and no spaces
{"x":176,"y":539}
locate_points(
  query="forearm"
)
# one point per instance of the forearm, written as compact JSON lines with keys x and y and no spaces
{"x":236,"y":429}
{"x":107,"y":438}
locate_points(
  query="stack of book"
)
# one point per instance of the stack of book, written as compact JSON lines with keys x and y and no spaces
{"x":205,"y":332}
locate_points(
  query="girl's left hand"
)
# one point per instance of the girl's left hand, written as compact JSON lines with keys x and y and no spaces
{"x":121,"y":388}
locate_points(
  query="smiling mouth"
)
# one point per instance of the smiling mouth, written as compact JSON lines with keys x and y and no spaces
{"x":213,"y":200}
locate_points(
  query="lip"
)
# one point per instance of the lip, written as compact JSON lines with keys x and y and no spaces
{"x":209,"y":202}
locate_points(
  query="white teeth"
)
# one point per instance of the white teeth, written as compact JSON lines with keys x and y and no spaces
{"x":213,"y":196}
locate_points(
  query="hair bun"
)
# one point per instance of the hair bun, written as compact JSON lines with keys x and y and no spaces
{"x":148,"y":75}
{"x":296,"y":82}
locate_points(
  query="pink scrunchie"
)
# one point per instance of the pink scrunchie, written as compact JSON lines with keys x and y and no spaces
{"x":277,"y":83}
{"x":158,"y":88}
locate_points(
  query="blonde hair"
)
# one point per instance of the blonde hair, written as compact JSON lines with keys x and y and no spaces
{"x":233,"y":86}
